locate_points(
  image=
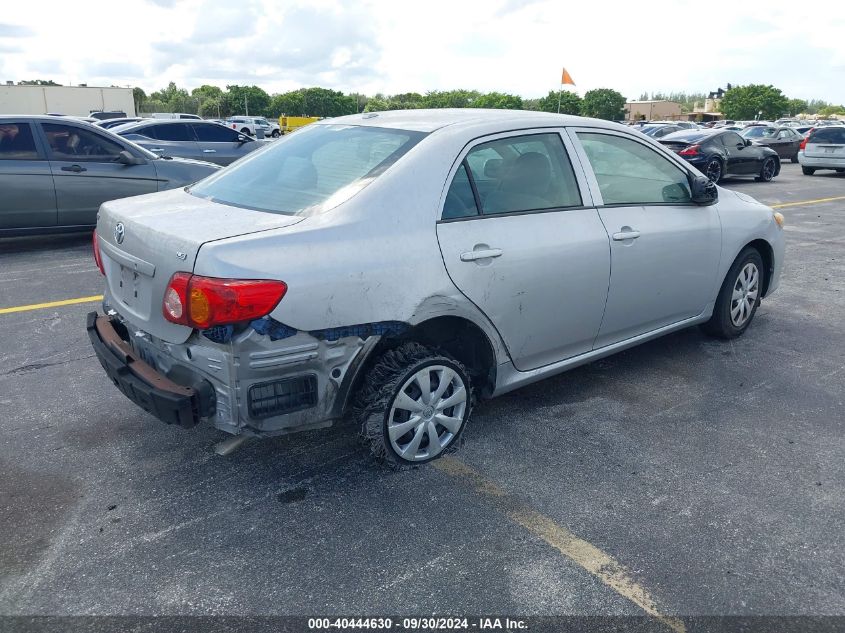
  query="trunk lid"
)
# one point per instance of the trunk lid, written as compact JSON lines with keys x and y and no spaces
{"x":826,"y":142}
{"x":145,"y":239}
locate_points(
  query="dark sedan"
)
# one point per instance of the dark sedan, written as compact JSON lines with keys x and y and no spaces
{"x":717,"y":154}
{"x":659,"y":130}
{"x":785,"y":141}
{"x":55,"y":173}
{"x":202,"y":140}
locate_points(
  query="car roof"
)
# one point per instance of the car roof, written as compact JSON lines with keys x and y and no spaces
{"x":693,"y":135}
{"x":429,"y":120}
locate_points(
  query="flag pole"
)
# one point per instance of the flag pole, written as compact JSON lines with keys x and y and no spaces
{"x":559,"y":92}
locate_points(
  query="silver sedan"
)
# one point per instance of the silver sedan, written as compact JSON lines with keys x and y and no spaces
{"x":395,"y":267}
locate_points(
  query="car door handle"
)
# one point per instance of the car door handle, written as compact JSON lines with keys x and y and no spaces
{"x":74,"y":168}
{"x":484,"y":253}
{"x":209,"y":151}
{"x":626,"y":235}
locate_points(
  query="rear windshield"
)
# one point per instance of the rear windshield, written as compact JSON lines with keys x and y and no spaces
{"x":309,"y":171}
{"x":688,"y":136}
{"x":835,"y":135}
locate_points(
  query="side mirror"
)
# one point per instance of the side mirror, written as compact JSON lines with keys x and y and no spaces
{"x":704,"y":191}
{"x":242,"y":138}
{"x":748,"y":142}
{"x":126,"y":158}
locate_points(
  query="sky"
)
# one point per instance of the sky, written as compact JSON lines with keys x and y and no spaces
{"x":394,"y":46}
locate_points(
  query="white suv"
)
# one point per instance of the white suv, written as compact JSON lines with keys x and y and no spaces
{"x":250,"y":124}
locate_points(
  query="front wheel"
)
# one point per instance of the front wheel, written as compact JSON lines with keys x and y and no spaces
{"x":276,"y":134}
{"x":808,"y":171}
{"x":714,"y":170}
{"x":413,"y":405}
{"x":739,"y":296}
{"x":767,"y":171}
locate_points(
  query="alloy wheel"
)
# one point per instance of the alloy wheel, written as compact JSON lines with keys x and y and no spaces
{"x":427,"y":413}
{"x":714,"y":170}
{"x":745,"y":293}
{"x":768,"y":171}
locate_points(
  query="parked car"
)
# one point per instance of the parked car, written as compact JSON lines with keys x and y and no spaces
{"x":251,"y":124}
{"x":684,"y":125}
{"x":55,"y":173}
{"x":784,"y":140}
{"x":395,"y":266}
{"x":824,"y":148}
{"x":202,"y":140}
{"x":718,"y":153}
{"x":112,"y":114}
{"x":108,"y":124}
{"x":659,"y":130}
{"x":175,"y":115}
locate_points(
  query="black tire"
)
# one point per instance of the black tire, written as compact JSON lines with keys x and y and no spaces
{"x":383,"y":383}
{"x":808,"y":171}
{"x":276,"y":134}
{"x":715,"y":170}
{"x":245,"y":130}
{"x":720,"y":324}
{"x":767,"y":170}
{"x":840,"y":171}
{"x":795,"y":158}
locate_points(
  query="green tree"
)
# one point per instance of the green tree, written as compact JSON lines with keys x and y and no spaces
{"x":570,"y":102}
{"x":38,"y":82}
{"x":450,"y":98}
{"x":830,"y":110}
{"x":250,"y":100}
{"x":604,"y":103}
{"x":797,"y":106}
{"x":747,"y":102}
{"x":498,"y":100}
{"x":139,"y":97}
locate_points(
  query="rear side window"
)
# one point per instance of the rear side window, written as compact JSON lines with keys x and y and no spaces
{"x":314,"y":170}
{"x":833,"y":135}
{"x":78,"y":144}
{"x":732,"y":140}
{"x":172,"y":132}
{"x":16,"y":142}
{"x":460,"y":200}
{"x":628,"y":172}
{"x":519,"y":173}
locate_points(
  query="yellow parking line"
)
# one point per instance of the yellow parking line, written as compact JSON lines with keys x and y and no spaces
{"x":803,"y":202}
{"x":598,"y":563}
{"x":51,"y":304}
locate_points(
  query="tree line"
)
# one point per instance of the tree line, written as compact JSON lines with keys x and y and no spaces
{"x":739,"y":102}
{"x":215,"y":102}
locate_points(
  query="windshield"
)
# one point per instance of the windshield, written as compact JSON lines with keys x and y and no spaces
{"x":759,"y":132}
{"x":312,"y":170}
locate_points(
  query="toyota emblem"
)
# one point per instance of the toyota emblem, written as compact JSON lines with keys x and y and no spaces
{"x":119,"y":232}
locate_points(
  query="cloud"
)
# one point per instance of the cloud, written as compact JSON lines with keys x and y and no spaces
{"x":14,"y":30}
{"x":8,"y":49}
{"x":301,"y":45}
{"x":116,"y":70}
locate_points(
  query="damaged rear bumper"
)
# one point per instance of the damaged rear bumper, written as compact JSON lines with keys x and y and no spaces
{"x":170,"y":402}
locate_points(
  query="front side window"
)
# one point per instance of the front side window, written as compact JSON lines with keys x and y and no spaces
{"x":516,"y":174}
{"x":314,"y":170}
{"x":212,"y":133}
{"x":732,"y":140}
{"x":75,"y":144}
{"x":628,"y":172}
{"x":16,"y":142}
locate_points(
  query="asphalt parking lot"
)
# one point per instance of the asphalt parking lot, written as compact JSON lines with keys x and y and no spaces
{"x":710,"y":475}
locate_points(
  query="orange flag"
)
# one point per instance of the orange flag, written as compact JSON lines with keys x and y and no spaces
{"x":565,"y":78}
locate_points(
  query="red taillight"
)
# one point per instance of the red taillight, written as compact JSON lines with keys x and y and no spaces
{"x":803,"y":143}
{"x":692,"y":150}
{"x":203,"y":302}
{"x":98,"y":259}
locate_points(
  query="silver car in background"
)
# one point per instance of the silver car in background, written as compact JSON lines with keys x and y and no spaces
{"x":55,"y":172}
{"x":199,"y":140}
{"x":823,"y":148}
{"x":395,"y":267}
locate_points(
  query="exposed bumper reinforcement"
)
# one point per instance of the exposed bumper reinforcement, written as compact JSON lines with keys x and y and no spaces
{"x":154,"y":392}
